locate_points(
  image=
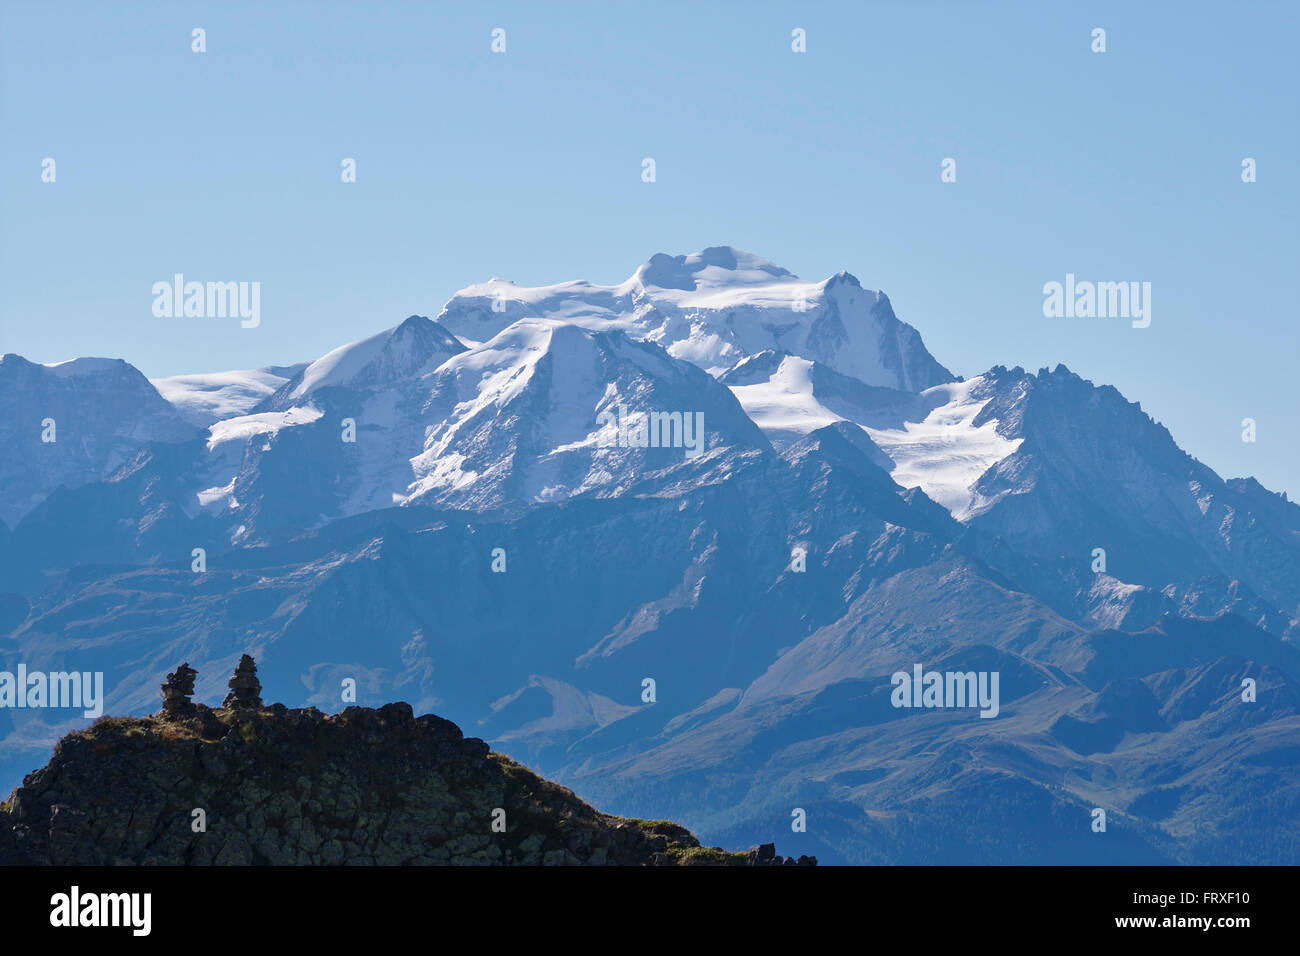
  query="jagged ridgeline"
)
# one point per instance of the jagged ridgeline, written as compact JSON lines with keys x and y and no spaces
{"x":250,"y":784}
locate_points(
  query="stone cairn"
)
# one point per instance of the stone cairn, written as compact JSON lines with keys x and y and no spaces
{"x":177,"y":689}
{"x":245,"y":689}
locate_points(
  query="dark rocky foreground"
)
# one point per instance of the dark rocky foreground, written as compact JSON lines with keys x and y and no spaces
{"x":281,"y":786}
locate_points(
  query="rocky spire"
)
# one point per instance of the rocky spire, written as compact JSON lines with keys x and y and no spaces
{"x":245,"y":688}
{"x":176,"y":690}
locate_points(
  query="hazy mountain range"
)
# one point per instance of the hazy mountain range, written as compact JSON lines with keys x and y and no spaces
{"x":855,"y":509}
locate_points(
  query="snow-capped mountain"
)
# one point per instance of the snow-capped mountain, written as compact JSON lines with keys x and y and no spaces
{"x":546,"y":410}
{"x":1090,"y":470}
{"x":388,"y":358}
{"x":821,"y":505}
{"x":72,"y":423}
{"x":1053,"y":467}
{"x":717,"y":307}
{"x":535,"y":414}
{"x":542,"y":411}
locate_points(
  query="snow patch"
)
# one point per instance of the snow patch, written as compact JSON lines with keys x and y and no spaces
{"x":945,"y":453}
{"x":265,"y":423}
{"x":785,"y":406}
{"x":83,"y":366}
{"x":207,"y":398}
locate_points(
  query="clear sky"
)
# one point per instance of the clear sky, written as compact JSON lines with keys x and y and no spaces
{"x":225,"y":166}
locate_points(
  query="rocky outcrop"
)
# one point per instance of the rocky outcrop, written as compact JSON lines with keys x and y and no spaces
{"x":252,"y":785}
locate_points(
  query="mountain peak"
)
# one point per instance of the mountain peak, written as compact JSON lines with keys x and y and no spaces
{"x":843,"y":278}
{"x":416,"y":346}
{"x":81,"y":367}
{"x":412,"y":322}
{"x":86,"y":365}
{"x":713,"y":267}
{"x":100,"y":412}
{"x":714,"y":308}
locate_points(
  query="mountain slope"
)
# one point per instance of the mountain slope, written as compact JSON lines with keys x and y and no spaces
{"x":413,"y":348}
{"x":545,"y":410}
{"x":96,"y":411}
{"x":1092,"y":470}
{"x":205,"y":398}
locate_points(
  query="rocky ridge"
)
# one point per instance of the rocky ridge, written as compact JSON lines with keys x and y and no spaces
{"x":247,"y":785}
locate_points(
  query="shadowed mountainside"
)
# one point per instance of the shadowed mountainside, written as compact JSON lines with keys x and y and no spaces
{"x":296,"y":786}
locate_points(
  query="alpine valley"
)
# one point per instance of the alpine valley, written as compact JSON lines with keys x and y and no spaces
{"x":440,"y":513}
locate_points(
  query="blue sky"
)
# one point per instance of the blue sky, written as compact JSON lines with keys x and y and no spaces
{"x":225,"y":165}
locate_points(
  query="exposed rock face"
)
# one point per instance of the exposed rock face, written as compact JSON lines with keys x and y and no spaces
{"x":280,"y":786}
